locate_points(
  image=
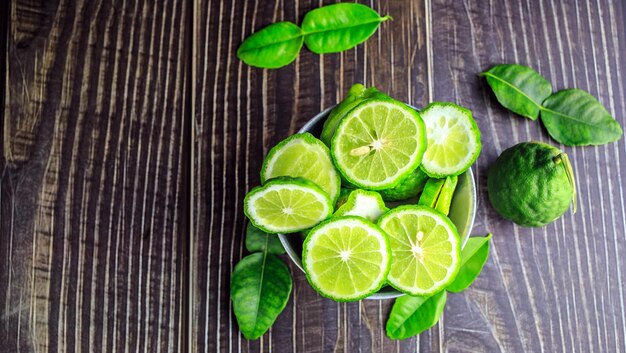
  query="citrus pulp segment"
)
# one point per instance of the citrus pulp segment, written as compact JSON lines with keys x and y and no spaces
{"x":287,"y":205}
{"x":302,"y":155}
{"x":453,"y":140}
{"x":363,"y":203}
{"x":346,"y":258}
{"x":425,"y":249}
{"x":378,"y":143}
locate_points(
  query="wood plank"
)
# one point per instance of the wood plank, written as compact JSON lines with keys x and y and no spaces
{"x":553,"y":288}
{"x":241,"y":112}
{"x":93,"y":195}
{"x":558,"y":287}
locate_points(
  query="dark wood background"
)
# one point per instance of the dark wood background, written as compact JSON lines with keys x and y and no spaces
{"x":131,"y":133}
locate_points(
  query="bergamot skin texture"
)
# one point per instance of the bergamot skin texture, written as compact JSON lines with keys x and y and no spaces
{"x":531,"y":184}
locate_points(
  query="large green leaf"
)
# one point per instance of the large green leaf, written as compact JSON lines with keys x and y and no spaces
{"x":518,"y":88}
{"x":273,"y":46}
{"x":574,"y":117}
{"x":339,"y":27}
{"x":259,"y":288}
{"x":258,"y":240}
{"x":411,"y":315}
{"x":473,"y":258}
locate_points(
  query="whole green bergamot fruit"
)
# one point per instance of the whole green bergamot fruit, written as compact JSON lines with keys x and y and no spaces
{"x":532,"y":184}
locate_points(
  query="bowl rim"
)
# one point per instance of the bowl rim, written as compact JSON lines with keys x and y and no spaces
{"x":391,"y":292}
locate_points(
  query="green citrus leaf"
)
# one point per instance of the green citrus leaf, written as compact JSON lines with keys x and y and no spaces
{"x":574,"y":117}
{"x":258,"y":240}
{"x":272,"y":47}
{"x":518,"y":88}
{"x":411,"y":315}
{"x":473,"y":258}
{"x":259,"y":288}
{"x":339,"y":27}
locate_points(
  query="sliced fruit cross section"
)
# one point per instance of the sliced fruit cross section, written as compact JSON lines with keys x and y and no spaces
{"x":453,"y":140}
{"x":363,"y":203}
{"x":302,"y":155}
{"x":378,"y":143}
{"x":287,"y":205}
{"x":346,"y":258}
{"x":425,"y":248}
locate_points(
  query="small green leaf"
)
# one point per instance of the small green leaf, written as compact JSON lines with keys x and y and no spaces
{"x":518,"y":88}
{"x":258,"y":240}
{"x":574,"y":117}
{"x":473,"y":258}
{"x":259,"y":288}
{"x":272,"y":47}
{"x":339,"y":27}
{"x":411,"y":315}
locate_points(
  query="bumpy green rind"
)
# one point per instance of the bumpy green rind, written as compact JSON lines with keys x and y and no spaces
{"x":409,"y":187}
{"x":527,"y":186}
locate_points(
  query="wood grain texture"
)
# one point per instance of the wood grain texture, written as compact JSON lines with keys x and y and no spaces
{"x":557,"y":288}
{"x":94,"y":179}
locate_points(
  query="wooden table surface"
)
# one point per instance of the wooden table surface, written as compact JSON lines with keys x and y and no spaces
{"x":131,"y":133}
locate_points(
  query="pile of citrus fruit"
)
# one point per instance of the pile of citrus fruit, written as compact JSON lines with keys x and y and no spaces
{"x":373,"y":149}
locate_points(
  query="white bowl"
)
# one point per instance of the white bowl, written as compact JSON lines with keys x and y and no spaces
{"x":462,"y":211}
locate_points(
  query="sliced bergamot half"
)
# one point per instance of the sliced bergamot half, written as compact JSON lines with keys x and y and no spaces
{"x":287,"y":205}
{"x":425,"y":249}
{"x":378,"y":143}
{"x":346,"y":258}
{"x":363,"y":203}
{"x":453,"y":139}
{"x":302,"y":155}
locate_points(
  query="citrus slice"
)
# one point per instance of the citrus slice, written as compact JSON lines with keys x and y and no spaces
{"x":356,"y":95}
{"x":438,"y":193}
{"x":302,"y":155}
{"x":346,"y":258}
{"x":287,"y":205}
{"x":425,"y":249}
{"x":363,"y":203}
{"x":453,"y":140}
{"x":378,"y":143}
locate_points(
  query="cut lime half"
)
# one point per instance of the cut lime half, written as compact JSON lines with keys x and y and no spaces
{"x":378,"y":143}
{"x":302,"y":155}
{"x":453,"y":140}
{"x":346,"y":258}
{"x":425,"y":248}
{"x":287,"y":205}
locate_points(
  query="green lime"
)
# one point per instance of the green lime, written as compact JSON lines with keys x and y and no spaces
{"x":453,"y":140}
{"x":302,"y":155}
{"x":346,"y":258}
{"x":378,"y":143}
{"x":357,"y":94}
{"x":409,"y":187}
{"x":425,"y":249}
{"x":287,"y":205}
{"x":438,"y":193}
{"x":363,"y":203}
{"x":532,"y":184}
